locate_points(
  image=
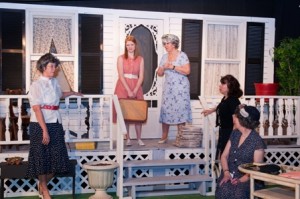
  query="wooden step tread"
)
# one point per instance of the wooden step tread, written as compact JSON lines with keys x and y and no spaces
{"x":169,"y":192}
{"x":153,"y":163}
{"x":165,"y":180}
{"x":275,"y":193}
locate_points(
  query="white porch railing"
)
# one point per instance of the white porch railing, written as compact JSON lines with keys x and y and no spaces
{"x":85,"y":119}
{"x":280,"y":115}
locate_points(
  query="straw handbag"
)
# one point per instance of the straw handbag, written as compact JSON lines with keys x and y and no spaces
{"x":134,"y":110}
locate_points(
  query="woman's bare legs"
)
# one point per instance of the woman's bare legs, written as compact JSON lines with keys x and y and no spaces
{"x":128,"y":143}
{"x":165,"y":133}
{"x":43,"y":189}
{"x":179,"y":126}
{"x":138,"y":130}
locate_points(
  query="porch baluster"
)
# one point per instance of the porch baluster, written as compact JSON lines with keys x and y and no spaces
{"x":280,"y":116}
{"x":20,"y":130}
{"x":289,"y":116}
{"x":270,"y":131}
{"x":7,"y":133}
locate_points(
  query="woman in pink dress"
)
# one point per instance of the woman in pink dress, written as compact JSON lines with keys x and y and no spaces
{"x":131,"y":75}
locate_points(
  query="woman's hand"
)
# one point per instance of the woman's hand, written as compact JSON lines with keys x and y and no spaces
{"x":168,"y":66}
{"x":160,"y":71}
{"x":130,"y":94}
{"x":77,"y":93}
{"x":46,"y":138}
{"x":226,"y":177}
{"x":235,"y":181}
{"x":208,"y":111}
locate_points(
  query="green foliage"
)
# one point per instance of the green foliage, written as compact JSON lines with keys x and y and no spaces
{"x":288,"y":71}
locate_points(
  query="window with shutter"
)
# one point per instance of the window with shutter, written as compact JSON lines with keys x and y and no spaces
{"x":12,"y":50}
{"x":90,"y":54}
{"x":192,"y":46}
{"x":254,"y":56}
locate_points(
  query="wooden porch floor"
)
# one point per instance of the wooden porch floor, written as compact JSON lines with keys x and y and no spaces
{"x":85,"y":196}
{"x":150,"y":144}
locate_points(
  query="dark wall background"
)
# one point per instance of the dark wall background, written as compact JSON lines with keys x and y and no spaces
{"x":286,"y":12}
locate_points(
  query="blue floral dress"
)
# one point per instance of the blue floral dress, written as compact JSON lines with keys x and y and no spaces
{"x":176,"y":106}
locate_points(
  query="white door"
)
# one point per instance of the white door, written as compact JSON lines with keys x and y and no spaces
{"x":148,"y":33}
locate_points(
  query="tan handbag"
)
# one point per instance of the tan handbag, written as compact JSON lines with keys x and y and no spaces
{"x":134,"y":110}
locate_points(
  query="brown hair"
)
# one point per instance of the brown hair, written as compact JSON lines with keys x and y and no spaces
{"x":233,"y":85}
{"x":136,"y":50}
{"x":45,"y":60}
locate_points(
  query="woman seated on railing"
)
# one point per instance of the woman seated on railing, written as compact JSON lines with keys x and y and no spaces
{"x":244,"y":146}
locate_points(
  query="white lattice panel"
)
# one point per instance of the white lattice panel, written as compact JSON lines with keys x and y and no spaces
{"x":25,"y":187}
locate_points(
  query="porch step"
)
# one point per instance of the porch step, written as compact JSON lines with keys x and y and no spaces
{"x":166,"y":180}
{"x":169,"y":193}
{"x":159,"y":163}
{"x":192,"y":183}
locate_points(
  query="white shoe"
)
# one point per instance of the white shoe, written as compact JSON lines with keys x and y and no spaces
{"x":141,"y":143}
{"x":163,"y":141}
{"x":128,"y":142}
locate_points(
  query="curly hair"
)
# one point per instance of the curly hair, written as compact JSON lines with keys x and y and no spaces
{"x":251,"y":119}
{"x":170,"y":38}
{"x":233,"y":85}
{"x":45,"y":60}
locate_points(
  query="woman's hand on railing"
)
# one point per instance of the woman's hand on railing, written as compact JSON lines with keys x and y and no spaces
{"x":208,"y":111}
{"x":68,"y":94}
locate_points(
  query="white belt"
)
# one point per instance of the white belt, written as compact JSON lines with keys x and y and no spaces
{"x":131,"y":76}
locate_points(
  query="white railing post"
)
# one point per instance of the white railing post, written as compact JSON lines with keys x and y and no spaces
{"x":280,"y":117}
{"x":7,"y":116}
{"x":121,"y":131}
{"x":297,"y":116}
{"x":91,"y":130}
{"x":270,"y":131}
{"x":288,"y":115}
{"x":67,"y":127}
{"x":210,"y":131}
{"x":20,"y":130}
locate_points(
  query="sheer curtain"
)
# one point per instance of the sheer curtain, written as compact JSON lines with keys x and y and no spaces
{"x":57,"y":30}
{"x":221,"y":56}
{"x":46,"y":29}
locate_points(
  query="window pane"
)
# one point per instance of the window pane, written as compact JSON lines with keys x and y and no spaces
{"x":213,"y":73}
{"x":11,"y":71}
{"x":222,"y":41}
{"x":58,"y":30}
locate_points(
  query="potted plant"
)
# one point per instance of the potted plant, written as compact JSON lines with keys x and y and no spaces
{"x":288,"y":71}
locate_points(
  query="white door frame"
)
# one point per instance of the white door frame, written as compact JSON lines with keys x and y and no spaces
{"x":152,"y":128}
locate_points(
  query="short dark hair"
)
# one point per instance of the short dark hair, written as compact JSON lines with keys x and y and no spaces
{"x":45,"y":60}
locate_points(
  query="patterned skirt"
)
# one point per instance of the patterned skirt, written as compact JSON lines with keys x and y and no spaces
{"x":47,"y":159}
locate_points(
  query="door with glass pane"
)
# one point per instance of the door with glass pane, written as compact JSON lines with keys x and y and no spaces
{"x":148,"y":33}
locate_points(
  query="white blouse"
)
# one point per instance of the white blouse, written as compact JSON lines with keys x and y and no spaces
{"x":45,"y":91}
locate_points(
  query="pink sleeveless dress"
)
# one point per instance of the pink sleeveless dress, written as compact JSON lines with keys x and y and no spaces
{"x":130,"y":67}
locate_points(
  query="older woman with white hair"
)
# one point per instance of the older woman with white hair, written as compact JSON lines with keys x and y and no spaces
{"x":175,"y":66}
{"x":244,"y":146}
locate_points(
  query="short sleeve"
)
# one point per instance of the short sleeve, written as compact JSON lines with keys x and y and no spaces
{"x":35,"y":94}
{"x":184,"y":58}
{"x":259,"y":143}
{"x":234,"y":102}
{"x":58,"y":88}
{"x":163,"y":60}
